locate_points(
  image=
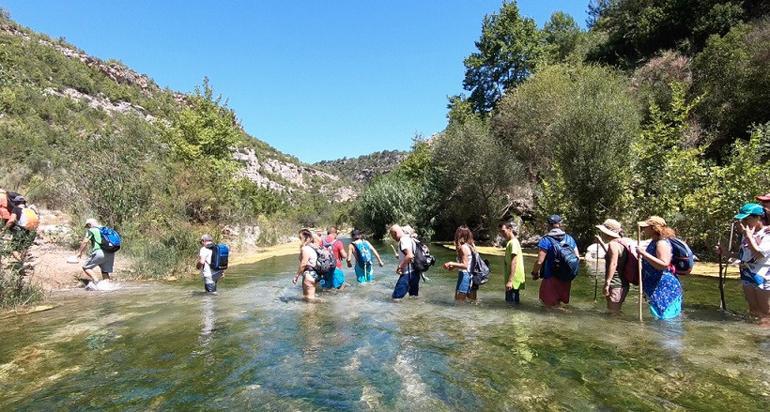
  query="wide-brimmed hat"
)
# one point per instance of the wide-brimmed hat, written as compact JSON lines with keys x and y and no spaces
{"x":653,"y":221}
{"x":763,"y":198}
{"x":610,"y":227}
{"x":750,"y":209}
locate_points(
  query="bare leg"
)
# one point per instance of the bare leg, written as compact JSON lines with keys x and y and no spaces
{"x":751,"y":299}
{"x":762,"y":298}
{"x":308,"y":289}
{"x":459,"y":297}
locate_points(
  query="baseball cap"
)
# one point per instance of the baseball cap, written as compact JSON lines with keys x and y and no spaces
{"x":750,"y":209}
{"x":92,"y":222}
{"x":207,"y":238}
{"x":554,"y":219}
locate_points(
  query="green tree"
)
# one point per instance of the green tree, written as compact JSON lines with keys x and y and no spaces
{"x":390,"y":199}
{"x":508,"y":51}
{"x":732,"y":76}
{"x":562,"y":36}
{"x":470,"y":171}
{"x":639,"y":29}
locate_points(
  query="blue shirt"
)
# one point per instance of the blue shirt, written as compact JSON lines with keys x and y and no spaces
{"x":548,"y":244}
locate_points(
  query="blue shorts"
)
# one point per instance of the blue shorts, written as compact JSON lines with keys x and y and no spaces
{"x":364,"y":273}
{"x":464,"y":282}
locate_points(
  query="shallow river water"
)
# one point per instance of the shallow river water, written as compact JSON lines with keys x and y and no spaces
{"x":257,"y":346}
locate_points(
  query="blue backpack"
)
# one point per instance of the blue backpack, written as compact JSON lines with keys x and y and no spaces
{"x":220,"y":254}
{"x":565,"y":264}
{"x":111,"y":240}
{"x":682,"y":257}
{"x":363,"y":253}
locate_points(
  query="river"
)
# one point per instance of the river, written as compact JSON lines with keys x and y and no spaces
{"x":257,"y":346}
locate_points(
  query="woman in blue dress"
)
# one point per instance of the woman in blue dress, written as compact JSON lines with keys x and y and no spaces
{"x":661,"y":286}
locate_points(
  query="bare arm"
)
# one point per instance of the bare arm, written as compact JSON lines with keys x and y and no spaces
{"x":83,"y":245}
{"x":464,"y":261}
{"x":406,"y":261}
{"x":512,"y":272}
{"x":376,"y":253}
{"x":350,"y":254}
{"x":663,"y":249}
{"x":303,"y":263}
{"x":538,"y":264}
{"x":612,"y":263}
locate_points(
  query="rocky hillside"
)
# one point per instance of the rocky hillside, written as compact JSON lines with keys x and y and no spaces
{"x":363,"y":169}
{"x":59,"y":73}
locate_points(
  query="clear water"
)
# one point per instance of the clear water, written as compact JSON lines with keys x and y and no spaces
{"x":257,"y":346}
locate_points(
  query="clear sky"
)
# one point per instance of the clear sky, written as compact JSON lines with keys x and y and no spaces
{"x":316,"y":79}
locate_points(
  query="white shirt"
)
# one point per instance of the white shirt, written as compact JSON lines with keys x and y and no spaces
{"x":205,"y":254}
{"x":405,"y":243}
{"x":757,"y":266}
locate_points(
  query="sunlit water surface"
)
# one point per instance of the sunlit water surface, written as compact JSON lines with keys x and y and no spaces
{"x":257,"y":346}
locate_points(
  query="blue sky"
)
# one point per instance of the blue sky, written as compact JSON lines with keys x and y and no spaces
{"x":316,"y":79}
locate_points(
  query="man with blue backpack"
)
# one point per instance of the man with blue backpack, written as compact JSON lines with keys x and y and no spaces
{"x":102,"y":242}
{"x":212,"y":262}
{"x":558,"y":261}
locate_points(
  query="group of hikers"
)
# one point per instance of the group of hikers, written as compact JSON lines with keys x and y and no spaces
{"x":20,"y":222}
{"x":655,"y":263}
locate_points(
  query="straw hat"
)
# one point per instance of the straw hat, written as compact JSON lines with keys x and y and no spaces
{"x":653,"y":221}
{"x":610,"y":227}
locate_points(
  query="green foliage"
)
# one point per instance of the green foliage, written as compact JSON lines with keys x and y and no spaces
{"x":468,"y":174}
{"x":387,"y":200}
{"x":571,"y":127}
{"x":732,"y":76}
{"x":417,"y":163}
{"x":507,"y":53}
{"x":562,"y":36}
{"x":15,"y":286}
{"x":639,"y":29}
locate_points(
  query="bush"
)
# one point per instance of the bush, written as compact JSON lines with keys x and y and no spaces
{"x":387,"y":200}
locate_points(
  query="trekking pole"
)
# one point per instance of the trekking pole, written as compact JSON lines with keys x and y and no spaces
{"x":641,"y":286}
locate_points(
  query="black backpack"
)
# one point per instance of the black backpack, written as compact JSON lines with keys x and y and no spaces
{"x":423,"y":260}
{"x":479,"y":268}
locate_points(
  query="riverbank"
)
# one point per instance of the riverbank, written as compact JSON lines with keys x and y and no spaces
{"x":708,"y":269}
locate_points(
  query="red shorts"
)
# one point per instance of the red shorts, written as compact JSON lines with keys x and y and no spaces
{"x":553,"y":291}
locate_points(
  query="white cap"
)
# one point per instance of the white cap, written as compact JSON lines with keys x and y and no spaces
{"x":92,"y":222}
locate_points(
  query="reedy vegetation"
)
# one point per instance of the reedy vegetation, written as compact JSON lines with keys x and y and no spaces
{"x":660,"y":107}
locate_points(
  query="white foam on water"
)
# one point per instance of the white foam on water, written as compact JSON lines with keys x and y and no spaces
{"x":105,"y":285}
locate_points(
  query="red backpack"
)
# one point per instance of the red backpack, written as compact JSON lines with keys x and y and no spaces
{"x":630,"y":269}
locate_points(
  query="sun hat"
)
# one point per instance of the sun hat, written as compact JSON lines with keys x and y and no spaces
{"x":750,"y":209}
{"x":91,"y":222}
{"x":554,"y":219}
{"x":610,"y":227}
{"x":763,"y":198}
{"x":653,"y":221}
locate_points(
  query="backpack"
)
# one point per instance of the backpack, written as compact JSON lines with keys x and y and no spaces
{"x":111,"y":240}
{"x":479,"y":268}
{"x":29,"y":219}
{"x":423,"y":260}
{"x":630,"y":270}
{"x":220,"y":255}
{"x":325,"y":261}
{"x":363,"y":253}
{"x":565,"y":264}
{"x":682,"y":257}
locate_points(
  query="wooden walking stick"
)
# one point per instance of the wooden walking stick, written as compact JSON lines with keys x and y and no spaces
{"x":723,"y":276}
{"x":641,"y":286}
{"x":599,"y":243}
